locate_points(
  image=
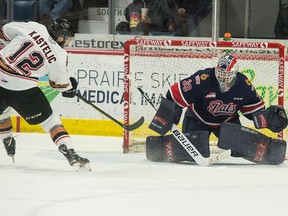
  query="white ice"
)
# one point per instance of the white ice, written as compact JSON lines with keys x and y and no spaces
{"x":41,"y":183}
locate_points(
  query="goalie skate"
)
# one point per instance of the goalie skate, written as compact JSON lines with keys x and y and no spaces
{"x":79,"y":163}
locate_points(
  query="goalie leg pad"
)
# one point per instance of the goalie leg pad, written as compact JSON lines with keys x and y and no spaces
{"x":154,"y":148}
{"x":167,"y":149}
{"x":251,"y":144}
{"x":277,"y":151}
{"x":167,"y":114}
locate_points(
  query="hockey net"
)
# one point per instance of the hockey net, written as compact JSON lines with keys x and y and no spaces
{"x":154,"y":65}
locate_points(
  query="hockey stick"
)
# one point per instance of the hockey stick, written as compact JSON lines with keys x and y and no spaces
{"x":187,"y":145}
{"x":131,"y":127}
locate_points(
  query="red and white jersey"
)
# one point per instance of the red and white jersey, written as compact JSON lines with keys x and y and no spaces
{"x":29,"y":54}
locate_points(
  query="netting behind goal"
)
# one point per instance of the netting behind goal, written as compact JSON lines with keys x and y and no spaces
{"x":154,"y":65}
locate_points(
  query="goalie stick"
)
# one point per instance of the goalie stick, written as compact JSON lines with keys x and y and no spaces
{"x":131,"y":127}
{"x":187,"y":145}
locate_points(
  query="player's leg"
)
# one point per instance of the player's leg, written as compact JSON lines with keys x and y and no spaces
{"x":168,"y":149}
{"x":251,"y":144}
{"x":34,"y":107}
{"x":6,"y":133}
{"x":61,"y":138}
{"x":191,"y":123}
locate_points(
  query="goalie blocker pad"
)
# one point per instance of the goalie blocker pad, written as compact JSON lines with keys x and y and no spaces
{"x":274,"y":118}
{"x":167,"y":149}
{"x":167,"y":114}
{"x":251,"y":144}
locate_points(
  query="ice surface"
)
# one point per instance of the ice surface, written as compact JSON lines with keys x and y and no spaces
{"x":41,"y":183}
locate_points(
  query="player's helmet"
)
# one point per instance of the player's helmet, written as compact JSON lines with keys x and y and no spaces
{"x":62,"y":31}
{"x":226,"y":71}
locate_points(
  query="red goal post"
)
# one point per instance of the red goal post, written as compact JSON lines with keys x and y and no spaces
{"x":154,"y":65}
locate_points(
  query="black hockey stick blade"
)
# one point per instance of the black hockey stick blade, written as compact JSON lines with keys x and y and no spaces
{"x":135,"y":125}
{"x":131,"y":127}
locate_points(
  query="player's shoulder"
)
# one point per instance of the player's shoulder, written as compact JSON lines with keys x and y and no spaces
{"x":243,"y":80}
{"x":204,"y":74}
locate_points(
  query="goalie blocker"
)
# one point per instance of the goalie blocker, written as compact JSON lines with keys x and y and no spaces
{"x":167,"y":114}
{"x":251,"y":144}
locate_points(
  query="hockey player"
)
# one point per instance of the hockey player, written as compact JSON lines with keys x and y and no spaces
{"x":32,"y":51}
{"x":213,"y":97}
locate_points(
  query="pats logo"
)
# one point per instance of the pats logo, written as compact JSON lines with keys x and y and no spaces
{"x":219,"y":108}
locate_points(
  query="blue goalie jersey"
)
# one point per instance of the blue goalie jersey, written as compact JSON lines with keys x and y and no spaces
{"x":200,"y":92}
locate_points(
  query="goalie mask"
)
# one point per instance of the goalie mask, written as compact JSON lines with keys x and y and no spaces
{"x":62,"y":31}
{"x":226,"y":71}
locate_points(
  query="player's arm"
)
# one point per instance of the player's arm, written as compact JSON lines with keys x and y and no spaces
{"x":59,"y":77}
{"x":11,"y":30}
{"x":68,"y":89}
{"x":179,"y":95}
{"x":254,"y":101}
{"x":274,"y":117}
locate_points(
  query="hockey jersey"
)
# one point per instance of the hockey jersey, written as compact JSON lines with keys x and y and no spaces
{"x":30,"y":53}
{"x":201,"y":93}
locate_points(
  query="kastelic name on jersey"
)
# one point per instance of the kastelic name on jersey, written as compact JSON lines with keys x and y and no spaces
{"x":44,"y":46}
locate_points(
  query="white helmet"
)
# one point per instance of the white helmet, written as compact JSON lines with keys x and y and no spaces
{"x":226,"y":71}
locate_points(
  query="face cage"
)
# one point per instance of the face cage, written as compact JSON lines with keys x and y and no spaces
{"x":225,"y":79}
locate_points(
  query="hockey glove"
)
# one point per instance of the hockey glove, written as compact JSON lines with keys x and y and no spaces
{"x":70,"y":93}
{"x":274,"y":118}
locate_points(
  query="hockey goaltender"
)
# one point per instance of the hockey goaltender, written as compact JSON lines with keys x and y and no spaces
{"x":213,"y":98}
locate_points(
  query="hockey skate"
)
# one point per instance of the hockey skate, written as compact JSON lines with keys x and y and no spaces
{"x":79,"y":163}
{"x":10,"y":145}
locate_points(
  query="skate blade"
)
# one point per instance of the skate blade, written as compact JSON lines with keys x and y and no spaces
{"x":13,"y":159}
{"x":82,"y":168}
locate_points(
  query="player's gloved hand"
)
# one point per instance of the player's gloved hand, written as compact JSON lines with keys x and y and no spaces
{"x":70,"y":93}
{"x":274,"y":118}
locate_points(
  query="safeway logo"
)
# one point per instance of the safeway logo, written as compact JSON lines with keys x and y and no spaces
{"x":154,"y":42}
{"x":167,"y":42}
{"x":126,"y":57}
{"x":262,"y":45}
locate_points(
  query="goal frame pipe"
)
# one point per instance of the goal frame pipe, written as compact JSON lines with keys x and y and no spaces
{"x":200,"y":44}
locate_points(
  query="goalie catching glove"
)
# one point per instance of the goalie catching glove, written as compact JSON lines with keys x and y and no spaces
{"x":70,"y":93}
{"x":274,"y":118}
{"x":167,"y":114}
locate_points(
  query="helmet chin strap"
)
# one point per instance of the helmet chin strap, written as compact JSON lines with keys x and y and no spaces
{"x":225,"y":87}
